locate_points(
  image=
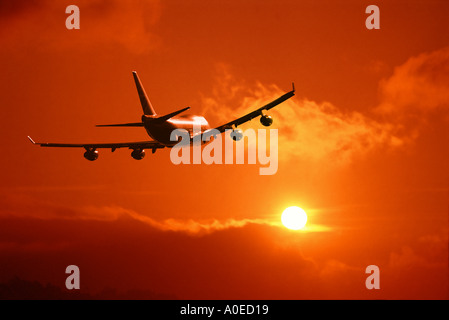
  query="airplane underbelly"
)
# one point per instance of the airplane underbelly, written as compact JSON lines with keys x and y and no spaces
{"x":161,"y":131}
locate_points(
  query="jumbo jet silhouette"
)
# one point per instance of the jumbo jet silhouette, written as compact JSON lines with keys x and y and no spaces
{"x":159,"y":128}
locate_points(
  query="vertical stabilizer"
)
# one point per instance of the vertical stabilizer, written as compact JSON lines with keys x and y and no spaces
{"x":144,"y":101}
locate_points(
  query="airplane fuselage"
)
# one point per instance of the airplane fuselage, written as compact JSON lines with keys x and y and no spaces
{"x":161,"y":130}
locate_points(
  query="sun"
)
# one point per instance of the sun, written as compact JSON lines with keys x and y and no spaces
{"x":294,"y":218}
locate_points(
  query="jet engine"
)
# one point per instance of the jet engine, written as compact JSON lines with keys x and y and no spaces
{"x":138,"y":154}
{"x":236,"y":134}
{"x":266,"y":120}
{"x":91,"y":155}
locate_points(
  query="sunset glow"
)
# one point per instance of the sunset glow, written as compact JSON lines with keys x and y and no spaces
{"x":362,"y":146}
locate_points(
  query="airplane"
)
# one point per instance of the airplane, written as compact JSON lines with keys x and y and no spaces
{"x":159,"y":128}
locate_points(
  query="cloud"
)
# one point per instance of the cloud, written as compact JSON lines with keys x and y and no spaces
{"x":20,"y":289}
{"x":32,"y":246}
{"x":21,"y":206}
{"x":229,"y":263}
{"x":310,"y":130}
{"x":9,"y":9}
{"x":41,"y":24}
{"x":405,"y":259}
{"x":189,"y":226}
{"x":420,"y":85}
{"x":333,"y":268}
{"x":307,"y":129}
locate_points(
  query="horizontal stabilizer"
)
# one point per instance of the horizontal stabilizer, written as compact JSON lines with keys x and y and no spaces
{"x":171,"y":115}
{"x":136,"y":124}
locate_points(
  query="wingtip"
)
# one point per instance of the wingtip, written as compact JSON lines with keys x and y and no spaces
{"x":32,"y":141}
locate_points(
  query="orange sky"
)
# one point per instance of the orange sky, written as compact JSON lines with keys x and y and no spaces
{"x":362,"y":148}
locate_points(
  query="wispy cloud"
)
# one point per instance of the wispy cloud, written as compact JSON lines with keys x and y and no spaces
{"x":307,"y":129}
{"x":25,"y":207}
{"x":420,"y":85}
{"x":310,"y":130}
{"x":190,"y":226}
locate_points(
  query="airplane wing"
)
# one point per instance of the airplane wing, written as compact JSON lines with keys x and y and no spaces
{"x":92,"y":146}
{"x":257,"y":112}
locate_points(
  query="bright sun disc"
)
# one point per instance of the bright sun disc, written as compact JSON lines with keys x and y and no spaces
{"x":294,"y":218}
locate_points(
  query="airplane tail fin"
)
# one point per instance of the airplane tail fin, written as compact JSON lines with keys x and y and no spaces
{"x":144,"y":101}
{"x":147,"y":108}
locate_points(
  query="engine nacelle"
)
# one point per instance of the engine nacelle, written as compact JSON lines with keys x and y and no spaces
{"x":138,"y":154}
{"x":266,"y":120}
{"x":91,"y":155}
{"x":236,"y":134}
